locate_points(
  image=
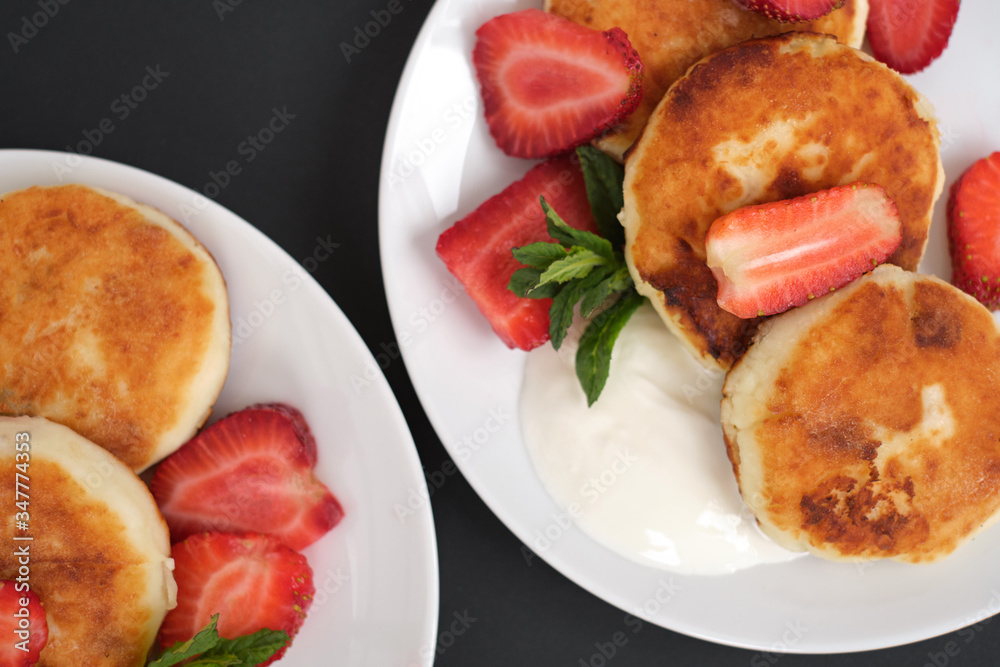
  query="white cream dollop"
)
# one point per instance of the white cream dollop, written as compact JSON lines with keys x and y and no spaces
{"x":644,"y":469}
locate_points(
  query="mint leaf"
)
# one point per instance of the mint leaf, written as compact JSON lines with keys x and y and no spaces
{"x":601,"y":291}
{"x":208,"y":649}
{"x":254,"y":648}
{"x":603,"y":178}
{"x":561,"y":313}
{"x":524,"y":280}
{"x":206,"y":638}
{"x":539,"y":255}
{"x":570,"y":236}
{"x":576,"y":264}
{"x":593,"y":357}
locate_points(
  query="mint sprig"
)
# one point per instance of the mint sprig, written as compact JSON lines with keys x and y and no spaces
{"x":580,"y":267}
{"x":207,"y":648}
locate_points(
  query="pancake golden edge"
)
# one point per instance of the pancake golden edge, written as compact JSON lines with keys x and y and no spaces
{"x":99,"y":554}
{"x":670,"y":37}
{"x":866,"y":424}
{"x":114,"y":320}
{"x":763,"y":121}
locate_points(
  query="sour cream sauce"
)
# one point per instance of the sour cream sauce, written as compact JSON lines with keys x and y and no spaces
{"x":644,"y":470}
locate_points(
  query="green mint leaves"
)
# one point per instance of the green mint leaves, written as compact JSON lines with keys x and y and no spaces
{"x":579,"y":267}
{"x":209,"y":649}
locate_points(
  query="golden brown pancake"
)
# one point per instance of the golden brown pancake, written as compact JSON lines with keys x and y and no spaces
{"x":114,"y":320}
{"x":763,"y":121}
{"x":866,"y":424}
{"x":672,"y":36}
{"x":99,"y":554}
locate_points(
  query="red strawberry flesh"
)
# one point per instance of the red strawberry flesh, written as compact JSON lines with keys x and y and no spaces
{"x":549,"y":85}
{"x":298,"y":422}
{"x":252,"y":581}
{"x":907,"y":35}
{"x":791,"y":11}
{"x":477,"y":248}
{"x":974,"y":231}
{"x":22,"y":643}
{"x":247,"y":472}
{"x":771,"y":257}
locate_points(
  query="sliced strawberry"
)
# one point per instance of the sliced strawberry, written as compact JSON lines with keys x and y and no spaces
{"x":250,"y":471}
{"x":477,"y":248}
{"x":23,"y":626}
{"x":300,"y":424}
{"x":549,"y":84}
{"x":251,"y":581}
{"x":907,"y":35}
{"x":792,"y":11}
{"x":770,"y":257}
{"x":974,"y":231}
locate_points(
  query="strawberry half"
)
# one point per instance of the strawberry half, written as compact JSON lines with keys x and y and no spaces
{"x":907,"y":35}
{"x":974,"y":231}
{"x":252,"y":581}
{"x":251,"y":471}
{"x":549,"y":84}
{"x":771,"y":257}
{"x":477,"y":248}
{"x":792,"y":11}
{"x":23,"y":626}
{"x":299,"y":423}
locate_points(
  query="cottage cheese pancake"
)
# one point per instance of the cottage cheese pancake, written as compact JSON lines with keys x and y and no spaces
{"x":866,"y":424}
{"x":114,"y":320}
{"x":762,"y":121}
{"x":672,"y":36}
{"x":99,"y":553}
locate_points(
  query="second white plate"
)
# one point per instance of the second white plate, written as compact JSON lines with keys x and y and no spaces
{"x":439,"y":163}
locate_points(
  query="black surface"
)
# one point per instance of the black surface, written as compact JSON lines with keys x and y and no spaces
{"x":229,"y":65}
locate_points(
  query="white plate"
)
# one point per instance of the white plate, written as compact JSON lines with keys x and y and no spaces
{"x":376,"y":575}
{"x":438,"y":164}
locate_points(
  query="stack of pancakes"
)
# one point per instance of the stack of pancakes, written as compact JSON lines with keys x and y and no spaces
{"x":114,"y":341}
{"x":865,"y":424}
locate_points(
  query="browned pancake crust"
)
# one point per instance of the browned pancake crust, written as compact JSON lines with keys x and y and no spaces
{"x":836,"y":116}
{"x":672,"y":36}
{"x":848,"y":462}
{"x":104,"y":318}
{"x":89,"y":580}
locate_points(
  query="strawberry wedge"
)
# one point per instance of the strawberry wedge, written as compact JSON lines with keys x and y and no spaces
{"x":908,"y":35}
{"x":792,"y":11}
{"x":771,"y":257}
{"x":974,"y":231}
{"x":477,"y":248}
{"x":549,"y":85}
{"x":23,"y":625}
{"x":251,"y":581}
{"x":251,"y":471}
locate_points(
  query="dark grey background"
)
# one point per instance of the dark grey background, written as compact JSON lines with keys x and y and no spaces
{"x":225,"y":66}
